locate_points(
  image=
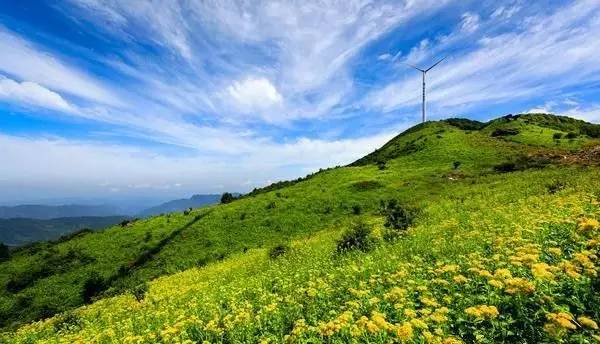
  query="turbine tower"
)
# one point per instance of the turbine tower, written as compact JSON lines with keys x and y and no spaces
{"x":424,"y":71}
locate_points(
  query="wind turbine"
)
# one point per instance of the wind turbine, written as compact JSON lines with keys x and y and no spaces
{"x":424,"y":71}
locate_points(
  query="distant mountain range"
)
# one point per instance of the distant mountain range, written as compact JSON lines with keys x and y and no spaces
{"x":21,"y":231}
{"x":45,"y":212}
{"x":24,"y":224}
{"x":181,"y":204}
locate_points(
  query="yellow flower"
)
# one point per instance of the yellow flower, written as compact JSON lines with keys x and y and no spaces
{"x":587,"y":224}
{"x":496,"y":283}
{"x":483,"y":311}
{"x":562,"y":319}
{"x":460,"y":279}
{"x":404,"y":332}
{"x":410,"y":313}
{"x":502,"y":274}
{"x":519,"y":285}
{"x":587,"y":322}
{"x":418,"y":323}
{"x":379,"y":320}
{"x":427,"y":301}
{"x":542,"y":271}
{"x":395,"y":294}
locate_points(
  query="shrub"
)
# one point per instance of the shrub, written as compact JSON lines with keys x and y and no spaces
{"x":4,"y":252}
{"x":397,"y":217}
{"x":20,"y":281}
{"x":366,"y":185}
{"x":507,"y":166}
{"x":68,"y":321}
{"x":571,"y":135}
{"x":227,"y":198}
{"x":456,"y":164}
{"x":139,"y":291}
{"x":504,"y":132}
{"x":356,"y":238}
{"x":125,"y":223}
{"x":555,"y":186}
{"x":92,"y":286}
{"x":465,"y":124}
{"x":557,"y":136}
{"x":356,"y":210}
{"x":278,"y":250}
{"x":591,"y":130}
{"x":522,"y":163}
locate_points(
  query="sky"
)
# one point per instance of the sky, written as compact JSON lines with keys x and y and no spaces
{"x":117,"y":99}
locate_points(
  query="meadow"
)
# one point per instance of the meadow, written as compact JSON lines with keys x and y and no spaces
{"x":466,"y":252}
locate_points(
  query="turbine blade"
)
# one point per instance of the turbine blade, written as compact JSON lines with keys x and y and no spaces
{"x":417,"y":68}
{"x":435,"y":64}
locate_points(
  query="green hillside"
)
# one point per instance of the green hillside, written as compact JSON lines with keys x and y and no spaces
{"x":492,"y":235}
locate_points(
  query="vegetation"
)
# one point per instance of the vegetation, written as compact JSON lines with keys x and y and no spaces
{"x":489,"y":257}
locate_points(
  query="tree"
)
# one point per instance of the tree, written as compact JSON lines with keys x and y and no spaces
{"x":4,"y":252}
{"x":92,"y":286}
{"x":227,"y":198}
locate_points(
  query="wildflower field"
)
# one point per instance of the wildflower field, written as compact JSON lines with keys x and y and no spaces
{"x":485,"y":256}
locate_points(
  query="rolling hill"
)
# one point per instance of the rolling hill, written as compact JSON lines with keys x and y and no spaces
{"x":21,"y":231}
{"x":454,"y":231}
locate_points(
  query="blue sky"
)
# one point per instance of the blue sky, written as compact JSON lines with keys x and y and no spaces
{"x":118,"y":99}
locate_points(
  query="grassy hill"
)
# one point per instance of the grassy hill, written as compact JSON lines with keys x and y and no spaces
{"x":492,"y":235}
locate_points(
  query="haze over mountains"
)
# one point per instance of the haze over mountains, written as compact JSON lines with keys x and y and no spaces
{"x":181,"y":204}
{"x":45,"y":212}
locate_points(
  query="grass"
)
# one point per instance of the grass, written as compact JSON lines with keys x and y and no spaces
{"x":221,"y":283}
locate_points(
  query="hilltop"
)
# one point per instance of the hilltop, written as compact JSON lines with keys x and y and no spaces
{"x":453,"y":229}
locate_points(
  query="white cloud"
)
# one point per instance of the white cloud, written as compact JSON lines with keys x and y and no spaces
{"x":571,"y":108}
{"x":539,"y":110}
{"x":254,"y":94}
{"x":589,"y":113}
{"x":384,"y":57}
{"x":505,"y":12}
{"x":30,"y":93}
{"x":470,"y":22}
{"x":21,"y":58}
{"x":550,"y":53}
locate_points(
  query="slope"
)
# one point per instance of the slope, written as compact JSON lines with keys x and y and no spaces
{"x":126,"y":257}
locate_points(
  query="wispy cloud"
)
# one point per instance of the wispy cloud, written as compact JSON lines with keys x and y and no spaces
{"x":21,"y":59}
{"x":30,"y":93}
